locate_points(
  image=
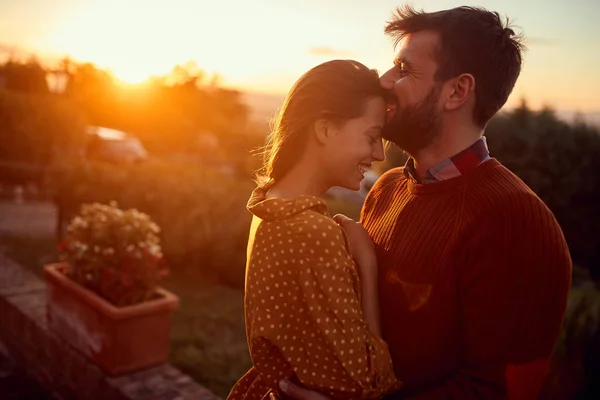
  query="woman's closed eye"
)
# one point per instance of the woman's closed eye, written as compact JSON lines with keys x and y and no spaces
{"x":374,"y":134}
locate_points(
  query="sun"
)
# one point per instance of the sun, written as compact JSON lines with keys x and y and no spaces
{"x":130,"y":77}
{"x":138,"y":39}
{"x":135,"y":74}
{"x":113,"y":36}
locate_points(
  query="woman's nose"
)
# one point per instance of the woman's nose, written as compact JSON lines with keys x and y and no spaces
{"x":379,"y":152}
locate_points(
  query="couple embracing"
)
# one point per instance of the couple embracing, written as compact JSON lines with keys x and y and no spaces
{"x":453,"y":285}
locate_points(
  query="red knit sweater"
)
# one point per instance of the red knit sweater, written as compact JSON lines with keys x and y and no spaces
{"x":474,"y":276}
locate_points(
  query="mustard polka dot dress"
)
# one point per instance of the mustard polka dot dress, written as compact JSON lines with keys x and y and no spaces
{"x":302,"y":306}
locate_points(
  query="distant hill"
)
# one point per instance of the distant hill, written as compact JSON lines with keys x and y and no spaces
{"x":264,"y":106}
{"x":590,"y":118}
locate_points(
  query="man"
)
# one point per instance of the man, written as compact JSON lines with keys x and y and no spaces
{"x":473,"y":268}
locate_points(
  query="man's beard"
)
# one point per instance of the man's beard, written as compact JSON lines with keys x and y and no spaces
{"x":415,"y":127}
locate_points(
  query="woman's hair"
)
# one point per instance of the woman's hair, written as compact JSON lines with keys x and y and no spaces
{"x":335,"y":90}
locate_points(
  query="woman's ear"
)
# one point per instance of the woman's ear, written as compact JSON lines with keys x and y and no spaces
{"x":322,"y":128}
{"x":462,"y":89}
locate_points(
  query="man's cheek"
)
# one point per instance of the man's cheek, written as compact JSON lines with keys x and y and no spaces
{"x":403,"y":94}
{"x":391,"y":110}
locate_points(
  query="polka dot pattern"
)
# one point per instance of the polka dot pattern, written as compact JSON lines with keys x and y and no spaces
{"x":302,"y":305}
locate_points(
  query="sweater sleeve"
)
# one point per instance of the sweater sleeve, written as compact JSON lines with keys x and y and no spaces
{"x":343,"y":358}
{"x":513,"y":290}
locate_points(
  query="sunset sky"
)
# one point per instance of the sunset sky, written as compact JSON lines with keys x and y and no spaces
{"x":265,"y":45}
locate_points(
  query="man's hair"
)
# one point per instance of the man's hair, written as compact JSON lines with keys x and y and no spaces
{"x":472,"y":40}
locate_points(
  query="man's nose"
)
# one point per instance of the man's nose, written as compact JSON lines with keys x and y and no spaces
{"x":386,"y":80}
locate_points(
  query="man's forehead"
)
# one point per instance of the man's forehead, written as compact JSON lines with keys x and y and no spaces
{"x":418,"y":46}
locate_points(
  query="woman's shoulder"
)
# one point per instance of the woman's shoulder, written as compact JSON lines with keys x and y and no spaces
{"x":303,"y":227}
{"x":318,"y":233}
{"x":310,"y":223}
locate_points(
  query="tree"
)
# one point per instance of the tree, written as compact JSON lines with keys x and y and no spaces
{"x":559,"y":161}
{"x":25,"y":77}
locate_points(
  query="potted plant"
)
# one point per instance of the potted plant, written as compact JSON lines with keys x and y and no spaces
{"x":104,"y":297}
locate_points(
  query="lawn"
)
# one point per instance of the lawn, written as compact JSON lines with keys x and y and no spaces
{"x":208,"y":338}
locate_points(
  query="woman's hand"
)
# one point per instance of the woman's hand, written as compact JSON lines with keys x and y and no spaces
{"x":297,"y":392}
{"x":361,"y":246}
{"x":363,"y":252}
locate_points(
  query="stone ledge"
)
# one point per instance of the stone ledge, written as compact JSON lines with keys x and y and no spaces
{"x":61,"y":369}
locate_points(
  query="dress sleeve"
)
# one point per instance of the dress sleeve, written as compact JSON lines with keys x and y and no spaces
{"x":340,"y":356}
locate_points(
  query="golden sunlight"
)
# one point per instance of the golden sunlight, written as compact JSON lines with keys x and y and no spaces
{"x":133,"y":45}
{"x":136,"y":40}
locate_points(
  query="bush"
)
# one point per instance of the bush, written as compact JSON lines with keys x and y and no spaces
{"x":340,"y":206}
{"x":166,"y":114}
{"x":33,"y":128}
{"x":559,"y":161}
{"x":27,"y":77}
{"x":201,"y":212}
{"x":575,"y":372}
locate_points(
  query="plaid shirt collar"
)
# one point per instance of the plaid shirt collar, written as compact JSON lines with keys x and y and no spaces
{"x":451,"y":167}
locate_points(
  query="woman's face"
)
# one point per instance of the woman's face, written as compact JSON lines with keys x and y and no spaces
{"x":354,"y":145}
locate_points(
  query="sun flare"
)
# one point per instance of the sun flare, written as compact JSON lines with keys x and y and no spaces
{"x":136,"y":40}
{"x":116,"y":36}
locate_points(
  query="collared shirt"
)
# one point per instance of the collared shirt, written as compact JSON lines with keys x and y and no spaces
{"x":451,"y":167}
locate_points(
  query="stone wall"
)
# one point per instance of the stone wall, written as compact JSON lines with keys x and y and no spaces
{"x":61,"y":369}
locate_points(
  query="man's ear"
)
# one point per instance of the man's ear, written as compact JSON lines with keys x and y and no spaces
{"x":323,"y":130}
{"x":462,"y":88}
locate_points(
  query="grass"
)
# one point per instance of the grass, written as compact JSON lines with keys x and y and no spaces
{"x":208,"y":338}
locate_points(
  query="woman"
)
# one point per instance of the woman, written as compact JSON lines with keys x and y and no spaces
{"x":311,"y":306}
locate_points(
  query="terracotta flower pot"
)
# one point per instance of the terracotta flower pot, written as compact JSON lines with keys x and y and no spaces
{"x":117,"y":339}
